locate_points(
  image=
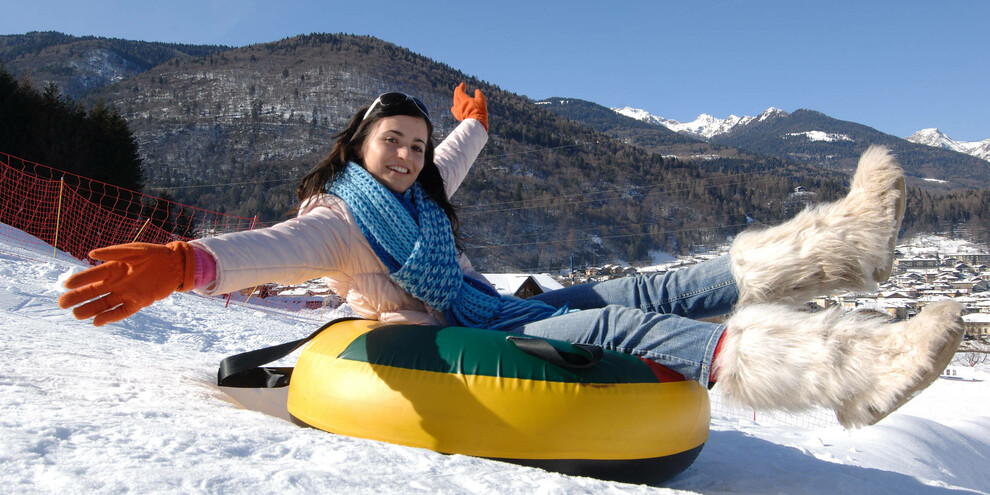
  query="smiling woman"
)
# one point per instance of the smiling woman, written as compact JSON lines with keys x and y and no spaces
{"x":394,"y":152}
{"x":376,"y":223}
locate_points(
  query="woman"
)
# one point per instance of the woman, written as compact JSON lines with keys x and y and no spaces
{"x":375,"y":221}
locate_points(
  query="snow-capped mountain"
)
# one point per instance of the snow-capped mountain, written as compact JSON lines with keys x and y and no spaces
{"x":705,"y":127}
{"x":812,"y":137}
{"x":938,"y":139}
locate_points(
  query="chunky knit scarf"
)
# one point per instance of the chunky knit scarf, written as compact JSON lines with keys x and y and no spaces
{"x":413,"y":238}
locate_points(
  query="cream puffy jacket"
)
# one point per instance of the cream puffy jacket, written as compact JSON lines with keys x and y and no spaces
{"x":325,"y":241}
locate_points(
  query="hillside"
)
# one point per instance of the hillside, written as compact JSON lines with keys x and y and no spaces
{"x":233,"y":130}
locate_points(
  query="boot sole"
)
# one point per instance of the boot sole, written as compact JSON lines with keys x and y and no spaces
{"x":942,"y":360}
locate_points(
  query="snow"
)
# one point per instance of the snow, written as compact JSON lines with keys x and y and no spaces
{"x":132,"y":407}
{"x":821,"y":136}
{"x":932,"y":245}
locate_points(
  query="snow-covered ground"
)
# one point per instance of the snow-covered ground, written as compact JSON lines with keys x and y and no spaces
{"x":132,"y":407}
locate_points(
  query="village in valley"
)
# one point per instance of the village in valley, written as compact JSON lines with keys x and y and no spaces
{"x":926,"y":269}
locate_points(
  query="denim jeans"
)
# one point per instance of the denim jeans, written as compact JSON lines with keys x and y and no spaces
{"x":651,"y":316}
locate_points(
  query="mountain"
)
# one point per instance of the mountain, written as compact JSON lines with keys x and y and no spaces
{"x":705,"y":127}
{"x":233,"y":129}
{"x":650,"y":133}
{"x":813,"y":137}
{"x":79,"y":65}
{"x":937,"y":139}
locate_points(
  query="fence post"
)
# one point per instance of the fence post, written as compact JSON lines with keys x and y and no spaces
{"x":58,"y":215}
{"x":141,"y":229}
{"x":253,"y":221}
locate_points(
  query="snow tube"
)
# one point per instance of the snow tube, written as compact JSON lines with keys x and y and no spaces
{"x":476,"y":392}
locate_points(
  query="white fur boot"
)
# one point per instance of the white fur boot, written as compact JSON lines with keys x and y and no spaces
{"x":843,"y":246}
{"x":857,"y":364}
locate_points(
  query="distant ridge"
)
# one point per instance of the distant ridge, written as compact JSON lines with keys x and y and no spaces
{"x":936,"y":138}
{"x":813,"y":137}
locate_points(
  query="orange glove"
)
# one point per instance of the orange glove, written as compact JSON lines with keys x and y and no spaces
{"x":466,"y":107}
{"x":134,"y":276}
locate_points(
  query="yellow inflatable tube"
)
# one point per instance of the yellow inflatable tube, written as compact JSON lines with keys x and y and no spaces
{"x":473,"y":392}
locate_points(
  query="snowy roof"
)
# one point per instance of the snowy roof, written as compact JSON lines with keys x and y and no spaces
{"x":894,"y":302}
{"x":509,"y":283}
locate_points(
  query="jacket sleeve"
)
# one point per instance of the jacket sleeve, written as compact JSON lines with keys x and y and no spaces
{"x":455,"y":155}
{"x":294,"y":251}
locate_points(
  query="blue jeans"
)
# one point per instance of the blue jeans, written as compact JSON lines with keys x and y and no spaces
{"x":651,"y":316}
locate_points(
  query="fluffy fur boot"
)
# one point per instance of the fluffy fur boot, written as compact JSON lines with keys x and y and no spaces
{"x":843,"y":246}
{"x":858,"y":364}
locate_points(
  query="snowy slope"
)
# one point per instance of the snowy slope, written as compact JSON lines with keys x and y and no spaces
{"x":131,"y":407}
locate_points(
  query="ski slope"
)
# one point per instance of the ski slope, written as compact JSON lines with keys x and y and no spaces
{"x":132,"y":407}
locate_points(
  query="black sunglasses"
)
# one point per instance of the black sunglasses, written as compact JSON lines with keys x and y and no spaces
{"x":389,"y":99}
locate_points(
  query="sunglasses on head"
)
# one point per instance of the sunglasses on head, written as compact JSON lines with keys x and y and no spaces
{"x":389,"y":99}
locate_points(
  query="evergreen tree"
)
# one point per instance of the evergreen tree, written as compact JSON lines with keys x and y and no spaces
{"x":52,"y":129}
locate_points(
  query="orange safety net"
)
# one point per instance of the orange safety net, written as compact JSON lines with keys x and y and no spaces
{"x":75,"y":215}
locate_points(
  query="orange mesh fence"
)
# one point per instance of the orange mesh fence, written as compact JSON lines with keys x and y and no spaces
{"x":75,"y":215}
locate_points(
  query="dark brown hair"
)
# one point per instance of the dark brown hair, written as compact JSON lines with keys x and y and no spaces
{"x":348,"y":148}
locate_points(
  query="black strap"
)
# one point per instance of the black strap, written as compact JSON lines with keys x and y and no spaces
{"x":245,"y":370}
{"x":546,"y":351}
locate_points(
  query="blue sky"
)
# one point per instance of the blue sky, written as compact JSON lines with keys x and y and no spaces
{"x":897,"y":66}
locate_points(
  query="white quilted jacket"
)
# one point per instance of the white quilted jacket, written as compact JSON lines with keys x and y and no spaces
{"x":325,"y":241}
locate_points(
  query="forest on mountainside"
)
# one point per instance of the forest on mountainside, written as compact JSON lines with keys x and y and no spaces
{"x":234,"y":130}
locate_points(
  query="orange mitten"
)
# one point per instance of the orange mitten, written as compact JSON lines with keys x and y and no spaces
{"x":134,"y":276}
{"x":466,"y":107}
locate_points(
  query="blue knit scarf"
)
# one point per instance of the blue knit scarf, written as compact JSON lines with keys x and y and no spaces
{"x":413,"y":238}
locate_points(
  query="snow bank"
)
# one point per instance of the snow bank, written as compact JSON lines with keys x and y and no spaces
{"x":132,"y":407}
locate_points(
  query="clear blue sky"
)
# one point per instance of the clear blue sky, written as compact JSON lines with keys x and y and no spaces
{"x":898,"y":65}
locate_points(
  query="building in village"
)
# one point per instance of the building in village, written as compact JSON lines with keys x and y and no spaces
{"x":977,"y":326}
{"x":920,"y":280}
{"x":522,"y":285}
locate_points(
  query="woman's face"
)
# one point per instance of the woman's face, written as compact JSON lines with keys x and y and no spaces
{"x":395,"y":150}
